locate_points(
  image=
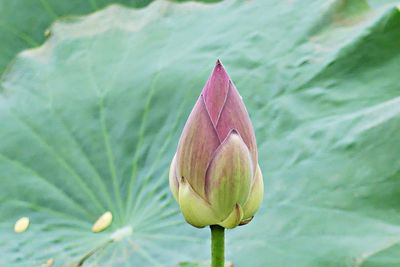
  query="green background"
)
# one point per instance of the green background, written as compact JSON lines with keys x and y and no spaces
{"x":90,"y":121}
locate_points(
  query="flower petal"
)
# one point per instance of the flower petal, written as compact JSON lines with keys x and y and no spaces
{"x":255,"y":196}
{"x":195,"y":209}
{"x":215,"y":91}
{"x":234,"y":218}
{"x":198,"y":142}
{"x":229,"y":175}
{"x":173,"y":182}
{"x":234,"y":116}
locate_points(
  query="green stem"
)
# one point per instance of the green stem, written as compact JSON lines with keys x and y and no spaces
{"x":217,"y":246}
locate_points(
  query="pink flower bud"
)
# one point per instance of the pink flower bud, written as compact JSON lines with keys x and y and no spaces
{"x":214,"y":175}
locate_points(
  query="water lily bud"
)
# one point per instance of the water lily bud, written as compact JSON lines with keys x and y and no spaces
{"x":214,"y":175}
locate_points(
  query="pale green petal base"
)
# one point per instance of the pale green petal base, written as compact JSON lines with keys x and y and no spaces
{"x":173,"y":183}
{"x":234,"y":218}
{"x":195,"y":209}
{"x":229,"y":177}
{"x":256,"y":196}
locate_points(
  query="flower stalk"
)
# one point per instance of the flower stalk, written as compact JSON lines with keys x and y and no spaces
{"x":217,"y":246}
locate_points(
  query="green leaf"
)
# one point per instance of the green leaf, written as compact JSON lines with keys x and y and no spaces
{"x":90,"y":122}
{"x":25,"y":23}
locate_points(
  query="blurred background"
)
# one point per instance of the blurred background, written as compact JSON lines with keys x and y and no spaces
{"x":94,"y":95}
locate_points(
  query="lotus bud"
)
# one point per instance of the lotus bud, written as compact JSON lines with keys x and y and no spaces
{"x":214,"y":175}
